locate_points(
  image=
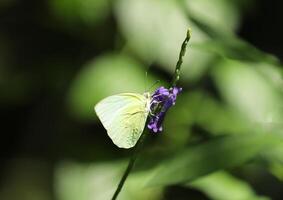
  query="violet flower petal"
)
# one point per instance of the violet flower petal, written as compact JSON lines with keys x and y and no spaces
{"x":165,"y":98}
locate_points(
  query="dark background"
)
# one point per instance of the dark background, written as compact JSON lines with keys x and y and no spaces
{"x":42,"y":61}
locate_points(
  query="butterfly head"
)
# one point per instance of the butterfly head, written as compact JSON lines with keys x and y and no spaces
{"x":147,"y":95}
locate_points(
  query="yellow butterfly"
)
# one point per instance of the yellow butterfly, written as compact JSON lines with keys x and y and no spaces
{"x":124,"y":116}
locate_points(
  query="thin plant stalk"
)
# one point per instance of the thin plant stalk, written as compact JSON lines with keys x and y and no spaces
{"x":177,"y":72}
{"x":130,"y":165}
{"x":140,"y":142}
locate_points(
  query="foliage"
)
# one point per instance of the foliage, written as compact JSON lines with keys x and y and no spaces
{"x":229,"y":114}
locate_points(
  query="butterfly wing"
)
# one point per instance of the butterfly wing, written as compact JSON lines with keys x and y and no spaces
{"x":123,"y":116}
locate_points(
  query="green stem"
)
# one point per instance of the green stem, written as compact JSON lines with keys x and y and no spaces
{"x":140,"y":142}
{"x":176,"y":76}
{"x":130,"y":165}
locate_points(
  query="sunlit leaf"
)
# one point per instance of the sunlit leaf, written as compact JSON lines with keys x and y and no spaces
{"x":273,"y":73}
{"x":252,"y":94}
{"x":222,"y":15}
{"x":106,"y":75}
{"x":158,"y":35}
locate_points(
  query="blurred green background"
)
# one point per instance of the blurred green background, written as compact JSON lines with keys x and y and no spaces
{"x":222,"y":140}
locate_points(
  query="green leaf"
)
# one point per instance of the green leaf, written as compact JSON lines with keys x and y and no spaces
{"x":274,"y":158}
{"x":202,"y":109}
{"x":225,"y":43}
{"x":158,"y":35}
{"x":248,"y":91}
{"x":233,"y":48}
{"x":216,"y":154}
{"x":223,"y":15}
{"x":222,"y":186}
{"x":98,"y":181}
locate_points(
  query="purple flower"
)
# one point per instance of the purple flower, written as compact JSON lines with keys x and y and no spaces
{"x":162,"y":100}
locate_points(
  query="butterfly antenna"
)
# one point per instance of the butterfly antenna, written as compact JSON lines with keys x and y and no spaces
{"x":145,"y":81}
{"x":156,"y":82}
